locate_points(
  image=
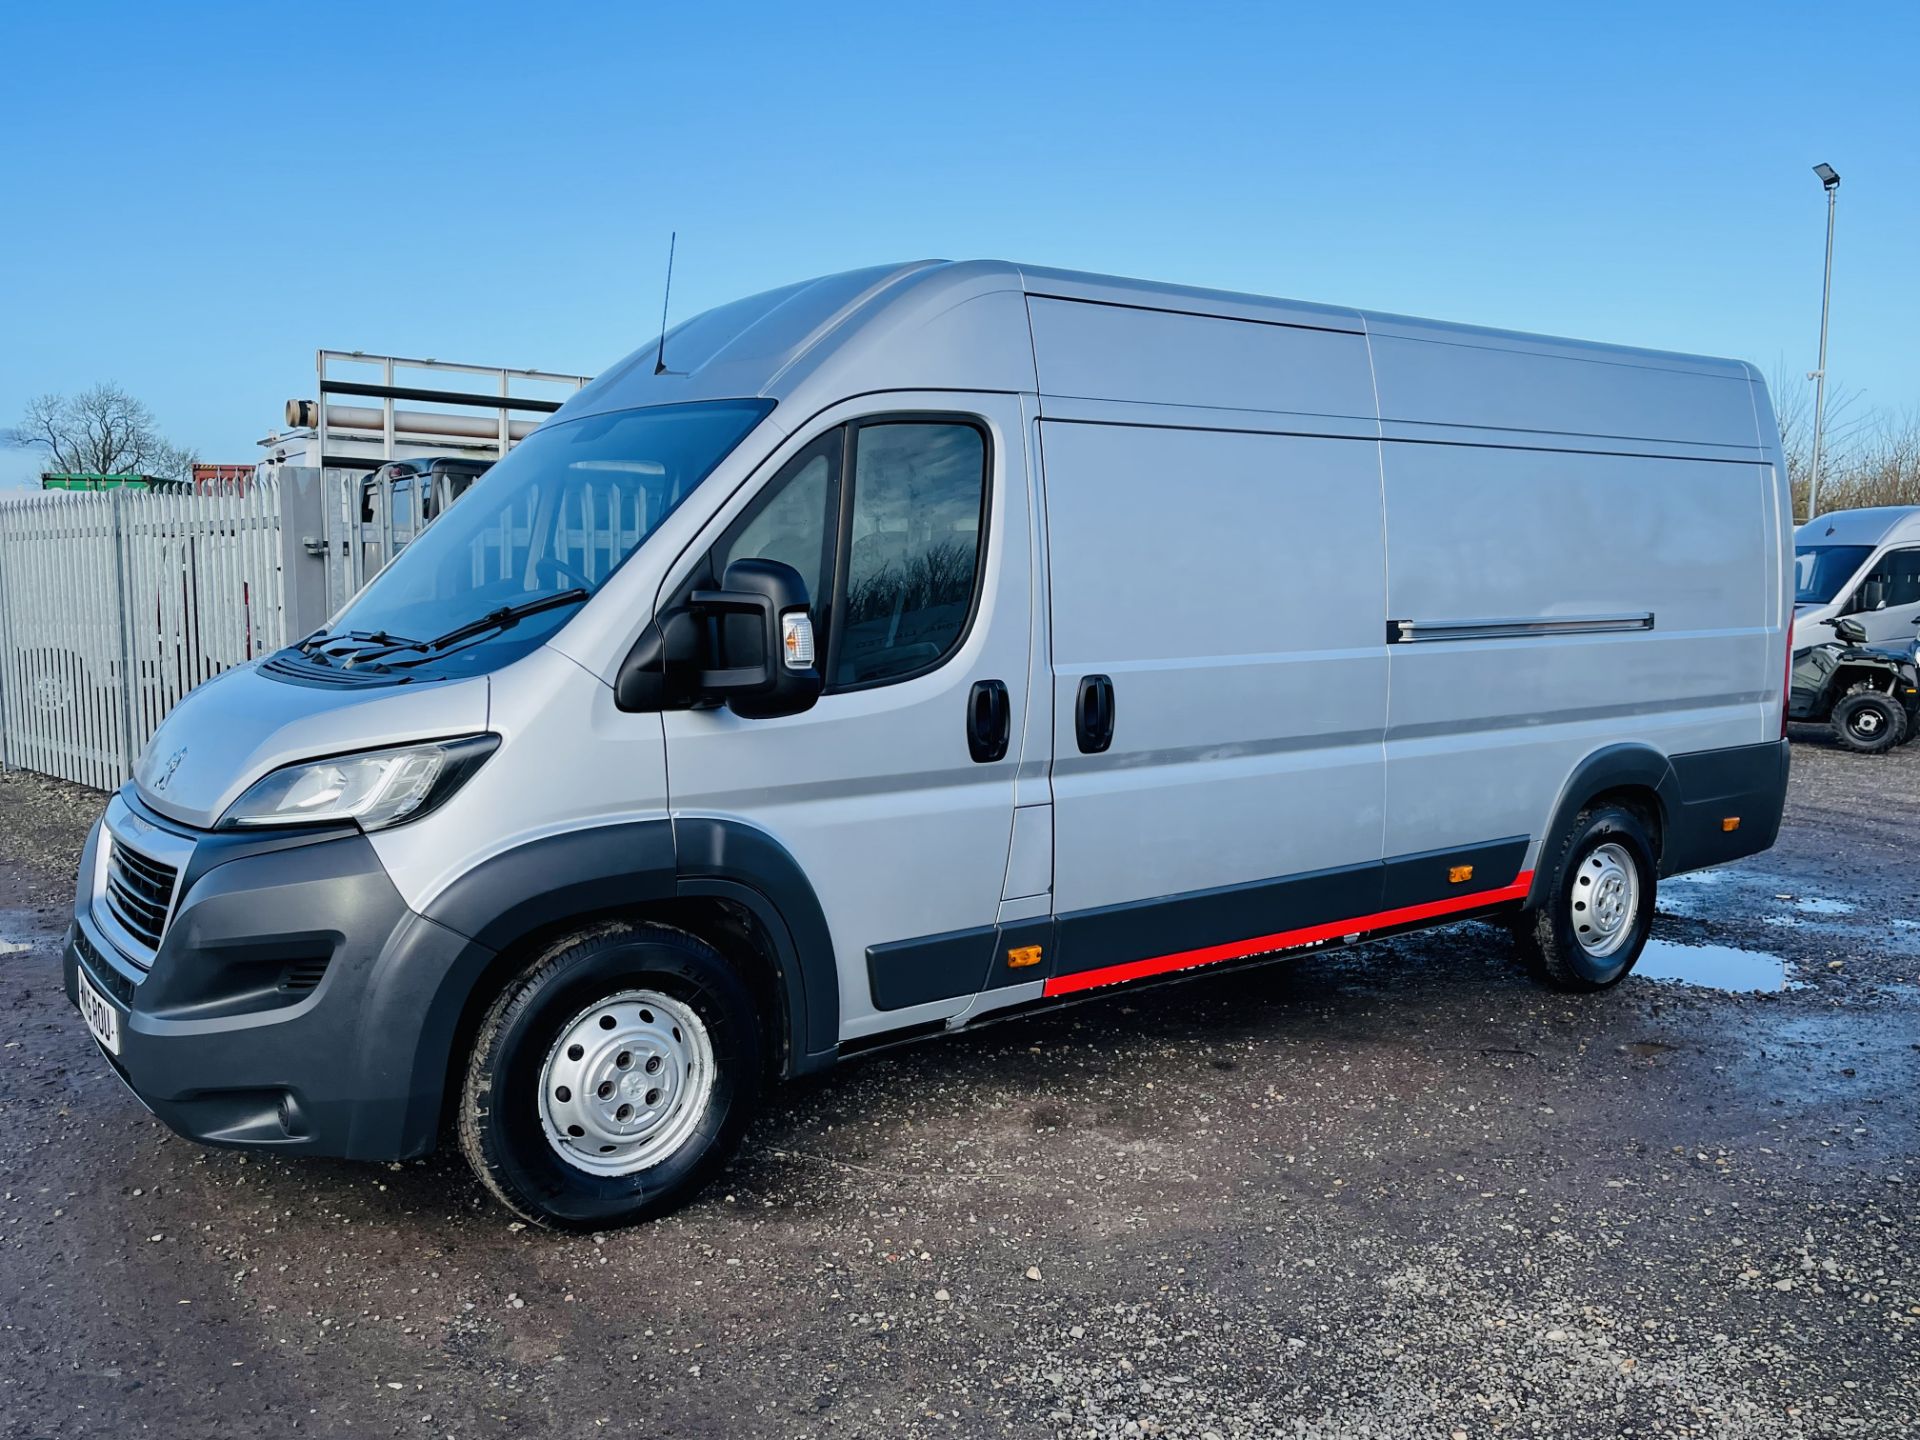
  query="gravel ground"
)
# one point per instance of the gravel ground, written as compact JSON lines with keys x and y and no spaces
{"x":1397,"y":1191}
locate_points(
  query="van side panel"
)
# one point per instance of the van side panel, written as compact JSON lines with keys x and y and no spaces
{"x":1434,"y":376}
{"x":1122,"y":352}
{"x":1231,"y":586}
{"x":1215,"y":550}
{"x":1631,"y":505}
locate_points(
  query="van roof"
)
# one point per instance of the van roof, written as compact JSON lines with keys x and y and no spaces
{"x":1072,"y":284}
{"x":1872,"y":525}
{"x":883,"y":321}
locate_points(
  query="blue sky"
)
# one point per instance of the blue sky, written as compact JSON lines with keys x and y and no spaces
{"x":199,"y":196}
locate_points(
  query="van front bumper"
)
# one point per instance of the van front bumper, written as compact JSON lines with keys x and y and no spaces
{"x":291,"y":1003}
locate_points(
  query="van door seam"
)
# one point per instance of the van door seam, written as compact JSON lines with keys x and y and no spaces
{"x":1386,"y":574}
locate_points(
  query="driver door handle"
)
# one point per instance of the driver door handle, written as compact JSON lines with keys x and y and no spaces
{"x":989,"y":721}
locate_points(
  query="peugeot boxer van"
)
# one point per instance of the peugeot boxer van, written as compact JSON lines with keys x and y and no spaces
{"x":920,"y":645}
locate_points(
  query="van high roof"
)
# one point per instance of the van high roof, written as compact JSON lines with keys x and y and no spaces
{"x":942,"y":323}
{"x":1871,"y":526}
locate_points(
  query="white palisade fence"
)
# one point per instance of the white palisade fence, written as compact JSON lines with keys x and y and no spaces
{"x":113,"y":604}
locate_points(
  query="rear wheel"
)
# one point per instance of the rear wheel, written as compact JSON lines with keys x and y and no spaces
{"x":1869,"y":722}
{"x":612,"y":1080}
{"x":1597,"y":909}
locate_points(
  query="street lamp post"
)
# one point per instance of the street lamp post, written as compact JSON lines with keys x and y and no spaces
{"x":1830,"y":178}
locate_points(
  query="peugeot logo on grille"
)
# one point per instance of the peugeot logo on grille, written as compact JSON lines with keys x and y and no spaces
{"x":165,"y":777}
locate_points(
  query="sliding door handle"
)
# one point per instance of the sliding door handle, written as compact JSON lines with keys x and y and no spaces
{"x":1093,"y":714}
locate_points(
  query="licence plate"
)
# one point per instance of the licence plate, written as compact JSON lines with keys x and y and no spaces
{"x":102,"y":1019}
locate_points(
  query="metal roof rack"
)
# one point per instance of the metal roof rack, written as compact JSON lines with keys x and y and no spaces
{"x":358,"y":437}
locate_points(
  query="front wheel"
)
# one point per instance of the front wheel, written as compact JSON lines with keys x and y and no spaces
{"x":1869,"y":722}
{"x":612,"y":1079}
{"x":1597,"y":909}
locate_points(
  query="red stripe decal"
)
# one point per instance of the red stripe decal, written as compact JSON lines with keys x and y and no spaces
{"x":1285,"y":939}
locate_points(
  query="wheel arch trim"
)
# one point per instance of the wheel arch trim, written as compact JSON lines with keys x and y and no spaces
{"x":1612,"y":767}
{"x":582,"y":874}
{"x":740,"y":862}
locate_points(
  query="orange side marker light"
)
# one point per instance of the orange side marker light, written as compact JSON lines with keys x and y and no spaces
{"x":1459,"y":874}
{"x":1730,"y":824}
{"x":1021,"y":956}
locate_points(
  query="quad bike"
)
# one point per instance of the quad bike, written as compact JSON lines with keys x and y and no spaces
{"x":1869,"y":694}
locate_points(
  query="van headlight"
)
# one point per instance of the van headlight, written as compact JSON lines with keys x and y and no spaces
{"x":373,"y":789}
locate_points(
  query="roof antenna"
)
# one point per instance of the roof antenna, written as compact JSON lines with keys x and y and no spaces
{"x":660,"y":356}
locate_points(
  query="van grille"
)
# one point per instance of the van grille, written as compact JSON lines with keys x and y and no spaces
{"x":105,"y":976}
{"x":139,"y":892}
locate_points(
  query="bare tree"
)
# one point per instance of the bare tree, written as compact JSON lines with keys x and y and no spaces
{"x":1869,"y":457}
{"x":102,"y":431}
{"x":1882,"y":465}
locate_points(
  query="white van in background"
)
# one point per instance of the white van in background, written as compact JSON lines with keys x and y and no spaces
{"x":921,"y":644}
{"x":1862,"y":563}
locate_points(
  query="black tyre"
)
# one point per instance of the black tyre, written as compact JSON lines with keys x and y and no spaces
{"x":1869,"y":722}
{"x":1597,"y":905}
{"x":612,"y":1079}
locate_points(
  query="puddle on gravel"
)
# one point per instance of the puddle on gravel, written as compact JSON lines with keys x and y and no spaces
{"x":1693,"y":883}
{"x":1713,"y":967}
{"x":1691,"y":894}
{"x":19,"y":932}
{"x":1815,"y":905}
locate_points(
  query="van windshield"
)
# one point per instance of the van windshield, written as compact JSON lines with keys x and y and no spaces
{"x":1820,"y":570}
{"x":542,"y":530}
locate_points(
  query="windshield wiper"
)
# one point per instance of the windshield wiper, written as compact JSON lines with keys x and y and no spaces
{"x":321,"y":639}
{"x":503,"y":618}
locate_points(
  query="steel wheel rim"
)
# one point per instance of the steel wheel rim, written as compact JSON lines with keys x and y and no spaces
{"x":626,"y":1082}
{"x":1604,"y":900}
{"x":1866,"y":722}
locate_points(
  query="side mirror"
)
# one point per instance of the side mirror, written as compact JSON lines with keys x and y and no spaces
{"x":1873,"y":596}
{"x":748,"y":644}
{"x":1851,"y":631}
{"x":758,"y":655}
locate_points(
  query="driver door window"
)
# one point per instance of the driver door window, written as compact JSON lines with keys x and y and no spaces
{"x":1894,"y":581}
{"x":789,"y":521}
{"x":1888,"y":600}
{"x":891,"y":568}
{"x":914,"y":529}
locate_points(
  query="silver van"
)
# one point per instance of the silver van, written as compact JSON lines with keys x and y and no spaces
{"x":1862,"y":563}
{"x":922,"y":644}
